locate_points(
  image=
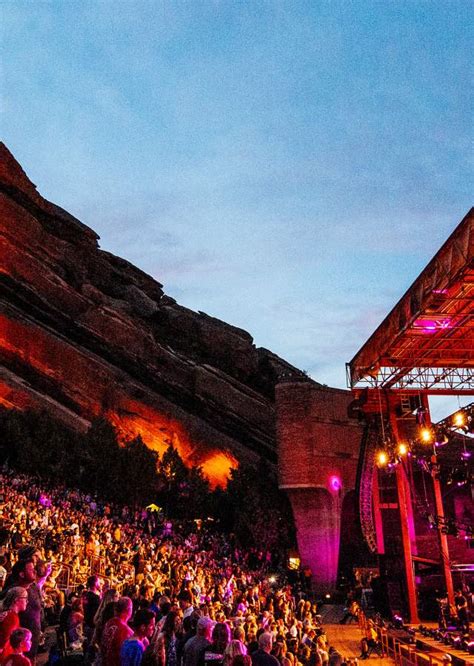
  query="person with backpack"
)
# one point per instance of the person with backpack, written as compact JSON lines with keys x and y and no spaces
{"x":214,"y":654}
{"x":195,"y":645}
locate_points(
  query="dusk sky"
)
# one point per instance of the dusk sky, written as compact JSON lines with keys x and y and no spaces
{"x":288,"y":167}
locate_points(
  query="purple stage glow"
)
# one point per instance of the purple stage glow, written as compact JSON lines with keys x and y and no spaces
{"x":433,"y":325}
{"x":335,"y":483}
{"x":44,"y":500}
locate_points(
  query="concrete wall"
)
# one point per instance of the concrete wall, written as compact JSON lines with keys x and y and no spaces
{"x":318,"y":450}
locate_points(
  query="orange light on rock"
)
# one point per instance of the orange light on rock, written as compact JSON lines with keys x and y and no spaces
{"x":217,"y":467}
{"x":159,"y":430}
{"x":402,"y":449}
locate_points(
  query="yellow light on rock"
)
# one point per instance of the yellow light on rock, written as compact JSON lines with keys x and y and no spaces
{"x":459,"y":419}
{"x":402,"y":449}
{"x":382,"y":458}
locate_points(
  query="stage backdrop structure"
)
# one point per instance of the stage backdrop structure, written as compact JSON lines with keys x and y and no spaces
{"x":425,"y":346}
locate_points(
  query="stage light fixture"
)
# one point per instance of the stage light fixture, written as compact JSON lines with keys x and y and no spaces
{"x":426,"y":435}
{"x":459,"y":420}
{"x":402,"y":449}
{"x":382,"y":458}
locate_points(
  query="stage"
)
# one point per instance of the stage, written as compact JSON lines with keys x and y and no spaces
{"x":428,"y":650}
{"x":423,"y":652}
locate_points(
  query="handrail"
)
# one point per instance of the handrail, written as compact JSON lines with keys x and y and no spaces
{"x":404,"y":654}
{"x":64,"y":577}
{"x":97,"y":565}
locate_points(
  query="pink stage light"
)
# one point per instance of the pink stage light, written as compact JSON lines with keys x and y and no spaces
{"x":433,"y":325}
{"x":44,"y":500}
{"x":335,"y":484}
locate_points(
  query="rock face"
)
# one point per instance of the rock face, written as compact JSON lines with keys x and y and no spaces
{"x":84,"y":333}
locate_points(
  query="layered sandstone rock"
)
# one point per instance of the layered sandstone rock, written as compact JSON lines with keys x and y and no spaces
{"x":84,"y":333}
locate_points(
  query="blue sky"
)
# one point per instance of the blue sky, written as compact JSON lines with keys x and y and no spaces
{"x":288,"y":167}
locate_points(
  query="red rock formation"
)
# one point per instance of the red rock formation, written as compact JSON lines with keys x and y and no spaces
{"x":84,"y":333}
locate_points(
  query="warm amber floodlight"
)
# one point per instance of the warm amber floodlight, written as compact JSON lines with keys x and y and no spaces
{"x":382,"y":458}
{"x":426,"y":435}
{"x":459,"y":419}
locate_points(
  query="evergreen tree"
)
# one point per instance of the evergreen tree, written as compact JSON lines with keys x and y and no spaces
{"x":138,"y":472}
{"x":252,"y":506}
{"x":15,"y":440}
{"x":262,"y":515}
{"x":195,"y":497}
{"x":53,"y":449}
{"x":100,"y":460}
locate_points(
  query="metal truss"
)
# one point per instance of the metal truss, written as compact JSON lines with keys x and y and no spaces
{"x":467,"y":410}
{"x":365,"y":475}
{"x":456,"y":380}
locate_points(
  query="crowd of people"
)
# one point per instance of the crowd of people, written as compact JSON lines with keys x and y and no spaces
{"x":125,"y":589}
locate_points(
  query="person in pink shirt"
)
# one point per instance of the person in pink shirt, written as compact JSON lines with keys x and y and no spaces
{"x":15,"y":601}
{"x":115,"y":632}
{"x":20,"y":642}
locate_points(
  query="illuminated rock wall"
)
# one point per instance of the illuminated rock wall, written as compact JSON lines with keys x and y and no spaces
{"x":318,"y":449}
{"x":84,"y":333}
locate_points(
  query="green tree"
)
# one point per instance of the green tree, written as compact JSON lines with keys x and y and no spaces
{"x":185,"y":491}
{"x":54,"y":446}
{"x":139,"y":475}
{"x":195,"y":495}
{"x":100,"y":460}
{"x":261,"y":513}
{"x":15,"y":440}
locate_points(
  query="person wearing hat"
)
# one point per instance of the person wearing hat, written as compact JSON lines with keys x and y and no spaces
{"x":24,"y":574}
{"x":198,"y":643}
{"x":14,"y":602}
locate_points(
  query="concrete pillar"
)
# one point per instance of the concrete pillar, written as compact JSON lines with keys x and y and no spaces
{"x":318,"y":450}
{"x":318,"y":522}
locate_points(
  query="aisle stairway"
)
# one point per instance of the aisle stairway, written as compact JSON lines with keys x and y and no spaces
{"x":331,"y":613}
{"x":346,"y":639}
